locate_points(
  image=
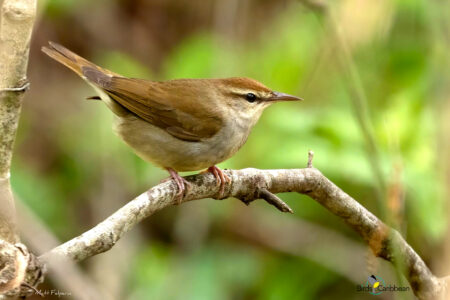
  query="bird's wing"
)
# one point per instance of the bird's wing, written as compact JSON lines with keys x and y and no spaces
{"x":159,"y":104}
{"x":169,"y":105}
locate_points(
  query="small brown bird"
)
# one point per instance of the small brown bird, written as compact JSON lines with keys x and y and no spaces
{"x":179,"y":125}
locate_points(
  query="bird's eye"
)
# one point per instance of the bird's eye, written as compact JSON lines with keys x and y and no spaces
{"x":250,"y":97}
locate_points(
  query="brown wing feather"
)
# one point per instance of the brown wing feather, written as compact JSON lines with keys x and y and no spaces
{"x":155,"y":102}
{"x":159,"y":104}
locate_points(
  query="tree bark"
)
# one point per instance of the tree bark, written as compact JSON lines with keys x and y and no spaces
{"x":17,"y":265}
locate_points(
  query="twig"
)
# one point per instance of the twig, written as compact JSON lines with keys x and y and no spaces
{"x":383,"y":240}
{"x":35,"y":290}
{"x":25,"y":86}
{"x":310,"y":159}
{"x":272,"y":199}
{"x":262,"y":193}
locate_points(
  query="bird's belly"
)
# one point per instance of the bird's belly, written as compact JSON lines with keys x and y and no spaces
{"x":154,"y":144}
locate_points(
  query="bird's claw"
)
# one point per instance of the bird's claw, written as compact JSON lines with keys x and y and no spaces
{"x":183,"y":185}
{"x":222,"y":179}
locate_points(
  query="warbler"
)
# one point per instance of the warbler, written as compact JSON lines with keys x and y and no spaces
{"x":179,"y":125}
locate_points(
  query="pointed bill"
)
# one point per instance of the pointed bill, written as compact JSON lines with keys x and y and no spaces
{"x":277,"y":96}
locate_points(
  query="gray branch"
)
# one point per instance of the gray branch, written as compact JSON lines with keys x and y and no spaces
{"x":384,"y":241}
{"x":18,"y":267}
{"x":16,"y":24}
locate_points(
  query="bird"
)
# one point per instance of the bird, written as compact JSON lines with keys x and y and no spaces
{"x":181,"y":124}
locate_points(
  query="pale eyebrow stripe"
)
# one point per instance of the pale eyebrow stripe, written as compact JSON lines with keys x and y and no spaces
{"x":243,"y":92}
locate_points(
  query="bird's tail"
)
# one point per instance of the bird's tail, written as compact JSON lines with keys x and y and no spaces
{"x":67,"y":57}
{"x":96,"y":76}
{"x":73,"y":61}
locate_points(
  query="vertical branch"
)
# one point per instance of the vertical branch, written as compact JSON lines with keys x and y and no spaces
{"x":16,"y":24}
{"x":18,"y":267}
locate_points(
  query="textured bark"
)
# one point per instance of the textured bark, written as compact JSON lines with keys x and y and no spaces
{"x":16,"y":24}
{"x":20,"y":271}
{"x":18,"y":267}
{"x":15,"y":264}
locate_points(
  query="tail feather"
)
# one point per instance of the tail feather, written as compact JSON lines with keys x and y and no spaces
{"x":73,"y":61}
{"x":96,"y":76}
{"x":66,"y":57}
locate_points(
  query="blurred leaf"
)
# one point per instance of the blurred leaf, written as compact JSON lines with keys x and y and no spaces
{"x":44,"y":197}
{"x":284,"y":280}
{"x":124,"y":65}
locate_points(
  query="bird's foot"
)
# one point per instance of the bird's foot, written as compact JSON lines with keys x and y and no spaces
{"x":222,"y":179}
{"x":182,"y":184}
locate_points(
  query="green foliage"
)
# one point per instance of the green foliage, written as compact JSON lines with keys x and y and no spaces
{"x":124,"y":65}
{"x":284,"y":281}
{"x":214,"y":272}
{"x":60,"y":8}
{"x":44,"y":196}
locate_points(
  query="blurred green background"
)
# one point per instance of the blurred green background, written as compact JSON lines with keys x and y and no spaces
{"x":375,"y":79}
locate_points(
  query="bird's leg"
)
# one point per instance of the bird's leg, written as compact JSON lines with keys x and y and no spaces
{"x":183,"y":184}
{"x":222,"y":179}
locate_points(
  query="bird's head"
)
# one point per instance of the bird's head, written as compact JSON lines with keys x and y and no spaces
{"x":247,"y":98}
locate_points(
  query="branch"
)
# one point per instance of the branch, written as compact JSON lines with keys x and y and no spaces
{"x":18,"y":267}
{"x":383,"y":240}
{"x":16,"y":24}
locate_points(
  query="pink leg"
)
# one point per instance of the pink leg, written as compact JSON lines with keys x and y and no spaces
{"x":221,"y":179}
{"x":183,"y":184}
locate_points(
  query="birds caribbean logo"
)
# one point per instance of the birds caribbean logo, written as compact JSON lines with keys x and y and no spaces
{"x":375,"y":282}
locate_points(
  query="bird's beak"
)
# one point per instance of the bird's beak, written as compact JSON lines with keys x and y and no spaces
{"x":277,"y":96}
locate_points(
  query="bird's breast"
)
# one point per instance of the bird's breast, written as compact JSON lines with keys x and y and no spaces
{"x":156,"y":145}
